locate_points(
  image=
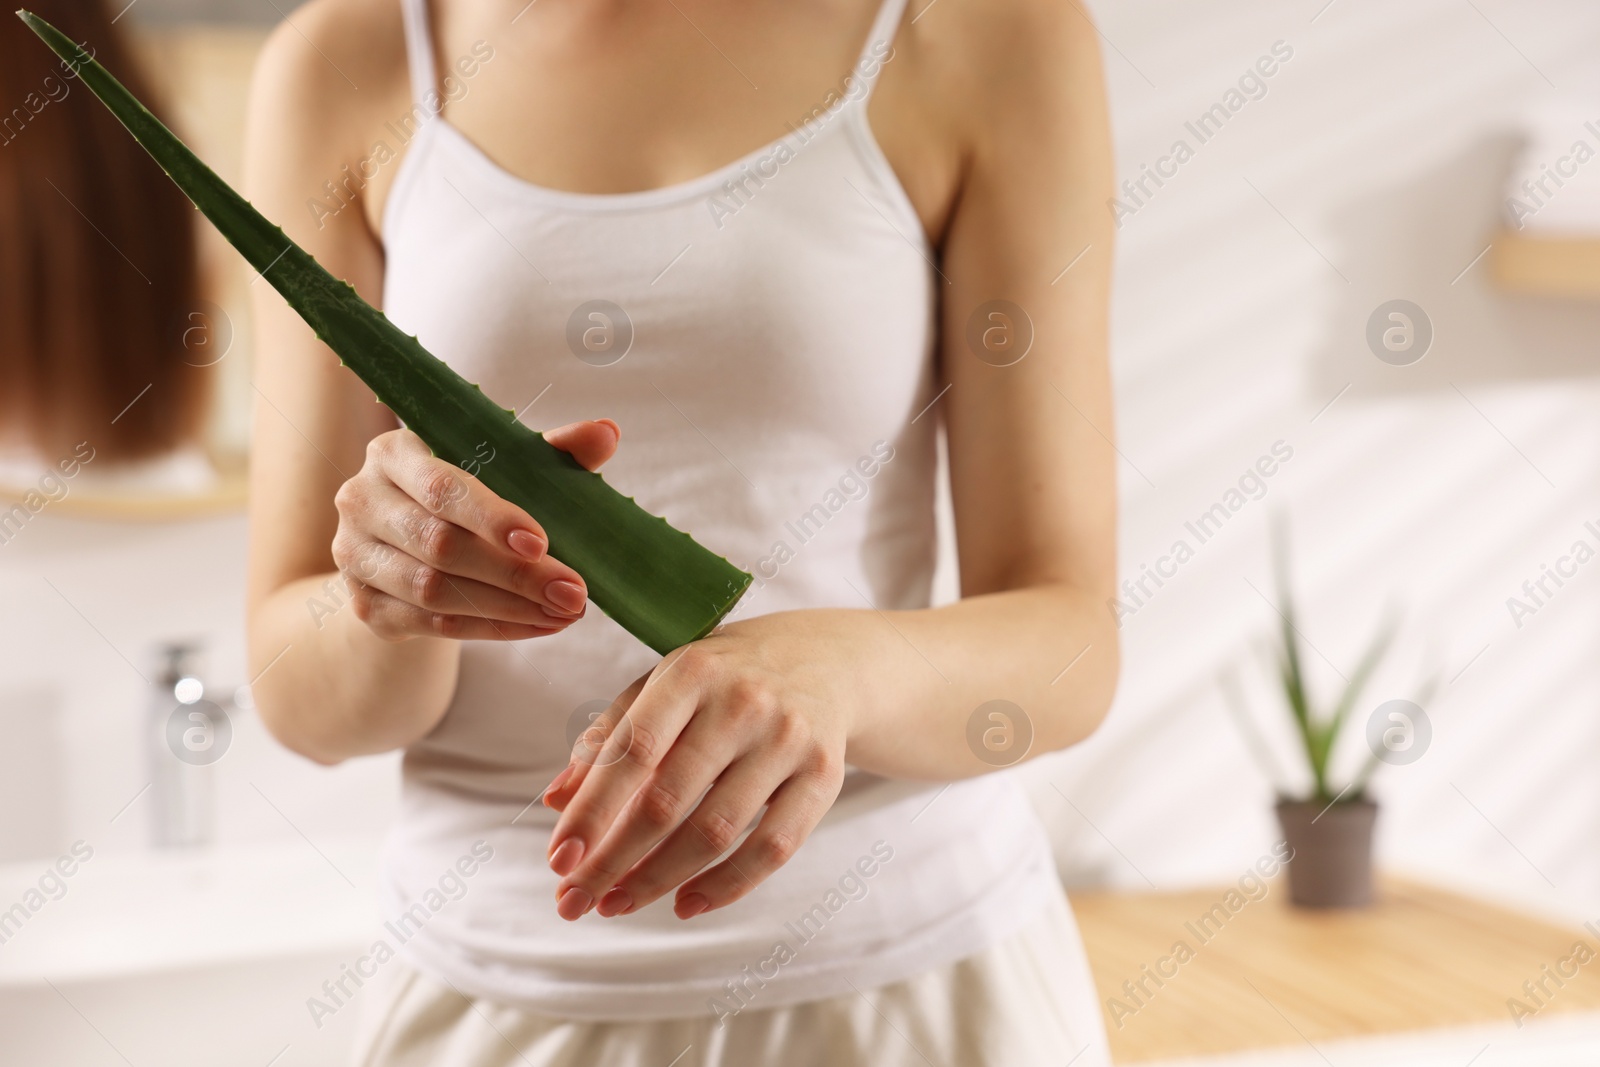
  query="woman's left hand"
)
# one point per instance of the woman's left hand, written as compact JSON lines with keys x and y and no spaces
{"x":758,"y":714}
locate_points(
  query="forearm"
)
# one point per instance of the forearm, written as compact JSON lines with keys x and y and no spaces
{"x":920,"y":676}
{"x":329,"y":688}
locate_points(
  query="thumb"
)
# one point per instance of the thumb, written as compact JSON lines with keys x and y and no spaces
{"x":591,"y":443}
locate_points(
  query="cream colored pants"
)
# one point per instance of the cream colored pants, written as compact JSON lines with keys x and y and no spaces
{"x":1027,"y":1001}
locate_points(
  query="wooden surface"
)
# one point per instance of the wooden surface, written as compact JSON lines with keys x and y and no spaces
{"x":1421,"y":958}
{"x":1537,"y":265}
{"x":228,"y":496}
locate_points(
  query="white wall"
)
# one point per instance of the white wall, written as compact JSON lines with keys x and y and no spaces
{"x":86,"y":604}
{"x":1437,"y":488}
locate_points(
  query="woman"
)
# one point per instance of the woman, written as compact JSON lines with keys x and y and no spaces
{"x":743,"y":854}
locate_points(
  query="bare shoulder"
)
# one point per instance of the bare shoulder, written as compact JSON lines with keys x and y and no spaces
{"x":341,"y":47}
{"x":1003,"y":60}
{"x":972,"y":82}
{"x":327,"y":78}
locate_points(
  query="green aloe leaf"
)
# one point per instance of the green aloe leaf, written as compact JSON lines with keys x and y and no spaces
{"x":657,"y":582}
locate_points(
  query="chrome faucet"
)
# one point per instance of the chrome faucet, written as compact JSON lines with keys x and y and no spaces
{"x":185,"y":734}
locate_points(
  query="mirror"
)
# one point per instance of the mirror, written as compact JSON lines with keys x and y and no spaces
{"x":124,"y":322}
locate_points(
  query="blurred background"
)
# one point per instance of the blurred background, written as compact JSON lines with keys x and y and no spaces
{"x":1439,"y":468}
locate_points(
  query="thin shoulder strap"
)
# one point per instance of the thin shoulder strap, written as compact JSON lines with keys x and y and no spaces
{"x":419,"y":49}
{"x":879,"y":42}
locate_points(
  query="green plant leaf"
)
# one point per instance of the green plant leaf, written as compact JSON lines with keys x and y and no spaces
{"x":1358,"y":784}
{"x":1358,"y":680}
{"x":1254,"y":740}
{"x":1300,"y":712}
{"x":1292,"y":670}
{"x":657,"y":582}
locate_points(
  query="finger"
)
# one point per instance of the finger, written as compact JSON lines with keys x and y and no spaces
{"x":434,"y":590}
{"x":555,"y":783}
{"x":713,"y":828}
{"x":613,"y":780}
{"x":586,"y":751}
{"x":590,"y":443}
{"x":438,"y":543}
{"x":456,"y":496}
{"x":395,"y":620}
{"x":590,"y":749}
{"x":631,"y":753}
{"x":795,"y":809}
{"x":694,"y":762}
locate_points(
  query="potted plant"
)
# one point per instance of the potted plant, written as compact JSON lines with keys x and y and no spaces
{"x":1327,"y":824}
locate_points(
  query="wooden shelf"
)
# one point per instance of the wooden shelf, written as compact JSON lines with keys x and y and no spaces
{"x":1421,"y":958}
{"x":228,"y":495}
{"x":1543,"y":265}
{"x":226,"y":498}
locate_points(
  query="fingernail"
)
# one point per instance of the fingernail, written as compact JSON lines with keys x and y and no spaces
{"x":556,"y":782}
{"x":615,"y":902}
{"x":690,"y":905}
{"x":564,"y":860}
{"x":527,"y":543}
{"x":573,"y":904}
{"x":568,"y":596}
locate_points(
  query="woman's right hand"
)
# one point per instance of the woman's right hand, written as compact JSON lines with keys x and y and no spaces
{"x":430,"y":551}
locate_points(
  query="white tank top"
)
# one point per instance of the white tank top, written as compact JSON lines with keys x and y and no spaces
{"x":769,"y":365}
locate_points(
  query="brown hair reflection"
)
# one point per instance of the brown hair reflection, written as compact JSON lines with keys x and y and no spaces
{"x":98,"y":276}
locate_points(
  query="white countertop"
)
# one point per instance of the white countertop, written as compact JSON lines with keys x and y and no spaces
{"x":161,"y":911}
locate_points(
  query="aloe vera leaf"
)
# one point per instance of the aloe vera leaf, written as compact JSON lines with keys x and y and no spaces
{"x":657,"y":582}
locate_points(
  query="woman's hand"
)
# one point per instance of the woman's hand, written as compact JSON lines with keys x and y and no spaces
{"x":435,"y":553}
{"x":758,"y":714}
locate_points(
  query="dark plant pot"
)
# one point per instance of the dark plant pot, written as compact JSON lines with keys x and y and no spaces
{"x":1331,"y":862}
